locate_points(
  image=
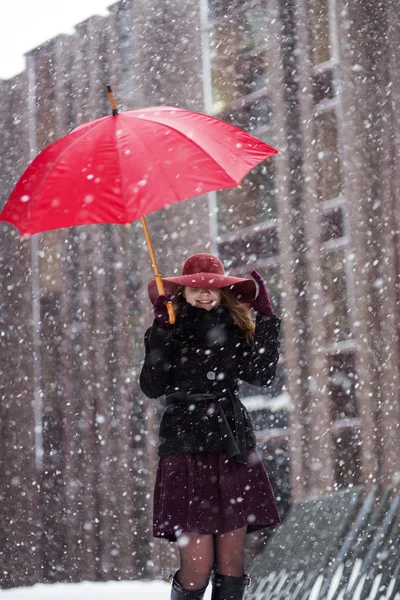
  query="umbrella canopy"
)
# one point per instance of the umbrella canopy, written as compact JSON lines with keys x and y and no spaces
{"x":118,"y":168}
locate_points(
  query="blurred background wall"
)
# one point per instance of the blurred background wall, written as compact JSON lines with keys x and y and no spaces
{"x":320,"y":81}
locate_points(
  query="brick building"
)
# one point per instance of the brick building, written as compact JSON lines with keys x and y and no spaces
{"x":318,"y":80}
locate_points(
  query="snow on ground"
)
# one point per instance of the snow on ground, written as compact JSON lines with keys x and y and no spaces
{"x":87,"y":590}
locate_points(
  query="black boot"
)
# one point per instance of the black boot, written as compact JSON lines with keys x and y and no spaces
{"x":179,"y":593}
{"x":226,"y":587}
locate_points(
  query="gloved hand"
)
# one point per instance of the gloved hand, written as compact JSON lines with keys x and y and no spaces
{"x":161,"y":311}
{"x":262,"y":304}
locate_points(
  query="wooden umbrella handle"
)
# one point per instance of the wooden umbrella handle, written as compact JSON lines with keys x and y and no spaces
{"x":159,"y":282}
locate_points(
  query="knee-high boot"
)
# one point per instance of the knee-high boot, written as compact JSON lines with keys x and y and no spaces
{"x":179,"y":593}
{"x":226,"y":587}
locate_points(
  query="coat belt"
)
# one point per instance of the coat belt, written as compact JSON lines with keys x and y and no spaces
{"x":233,"y":445}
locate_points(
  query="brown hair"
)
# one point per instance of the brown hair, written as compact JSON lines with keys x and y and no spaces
{"x":242,"y":318}
{"x":238,"y":313}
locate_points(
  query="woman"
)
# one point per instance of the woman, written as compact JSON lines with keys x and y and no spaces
{"x":211,"y":486}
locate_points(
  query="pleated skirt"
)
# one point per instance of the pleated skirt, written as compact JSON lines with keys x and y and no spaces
{"x":208,"y":493}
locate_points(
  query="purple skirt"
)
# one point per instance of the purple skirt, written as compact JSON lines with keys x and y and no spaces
{"x":208,"y":493}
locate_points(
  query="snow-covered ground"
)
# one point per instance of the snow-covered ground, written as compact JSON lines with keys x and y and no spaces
{"x":123,"y":590}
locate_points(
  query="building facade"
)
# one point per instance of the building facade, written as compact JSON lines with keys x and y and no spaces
{"x":320,"y":81}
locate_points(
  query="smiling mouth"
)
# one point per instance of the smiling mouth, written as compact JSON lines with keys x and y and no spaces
{"x":204,"y":301}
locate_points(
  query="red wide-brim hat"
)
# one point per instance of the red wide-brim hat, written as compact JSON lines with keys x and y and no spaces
{"x":205,"y":271}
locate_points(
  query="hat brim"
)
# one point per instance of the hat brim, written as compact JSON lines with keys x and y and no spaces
{"x":240,"y":287}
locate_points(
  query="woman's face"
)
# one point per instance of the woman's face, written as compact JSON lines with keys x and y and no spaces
{"x":202,"y":298}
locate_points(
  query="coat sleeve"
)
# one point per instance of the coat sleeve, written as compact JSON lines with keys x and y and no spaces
{"x":157,"y":361}
{"x":258,"y":364}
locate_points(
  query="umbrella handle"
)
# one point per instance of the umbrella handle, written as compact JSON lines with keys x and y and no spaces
{"x":159,"y":282}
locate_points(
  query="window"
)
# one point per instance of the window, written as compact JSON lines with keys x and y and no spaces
{"x":348,"y":460}
{"x":342,"y":386}
{"x":332,"y":224}
{"x":238,"y":49}
{"x":238,"y":42}
{"x":328,"y":167}
{"x":334,"y":282}
{"x":323,"y":85}
{"x":252,"y":204}
{"x":249,"y":247}
{"x":253,"y":114}
{"x":342,"y":382}
{"x":320,"y":31}
{"x":222,"y":8}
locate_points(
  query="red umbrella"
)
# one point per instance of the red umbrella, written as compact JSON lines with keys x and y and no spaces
{"x":119,"y":168}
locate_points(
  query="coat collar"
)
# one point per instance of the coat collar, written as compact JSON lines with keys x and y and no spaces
{"x":211,"y":327}
{"x":200,"y":318}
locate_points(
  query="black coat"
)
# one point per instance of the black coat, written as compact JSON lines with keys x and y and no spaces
{"x":205,"y":353}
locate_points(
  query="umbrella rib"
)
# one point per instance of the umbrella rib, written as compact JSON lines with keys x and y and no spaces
{"x":121,"y":173}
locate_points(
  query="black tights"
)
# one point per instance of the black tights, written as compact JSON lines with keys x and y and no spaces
{"x":200,"y":554}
